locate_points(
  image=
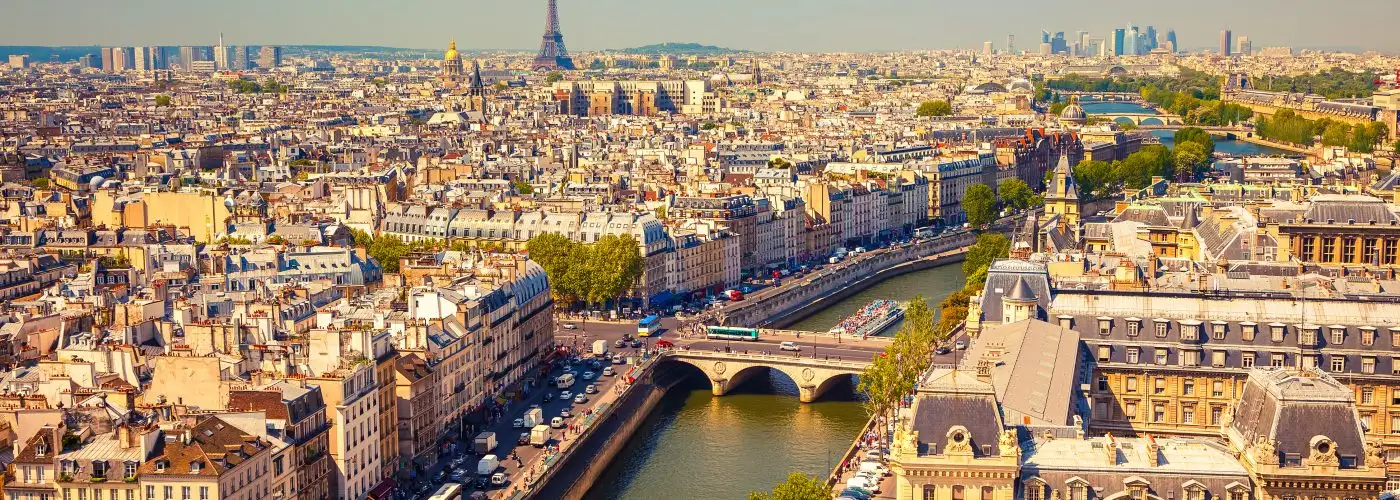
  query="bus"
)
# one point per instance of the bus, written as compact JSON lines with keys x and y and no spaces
{"x":449,"y":491}
{"x":648,"y":326}
{"x":731,"y":333}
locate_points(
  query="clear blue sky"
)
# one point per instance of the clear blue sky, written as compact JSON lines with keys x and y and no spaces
{"x":795,"y":25}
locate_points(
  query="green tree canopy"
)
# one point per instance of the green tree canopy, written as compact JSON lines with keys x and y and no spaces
{"x":980,"y":203}
{"x":553,"y":76}
{"x":41,"y":182}
{"x":798,"y":486}
{"x":1190,"y":159}
{"x":1016,"y":194}
{"x":1197,"y":135}
{"x":162,"y":100}
{"x":593,"y":273}
{"x":523,"y":187}
{"x":934,"y":108}
{"x":989,"y":248}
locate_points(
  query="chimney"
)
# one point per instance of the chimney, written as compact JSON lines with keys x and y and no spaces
{"x":1154,"y":456}
{"x":984,"y":371}
{"x":1110,"y":449}
{"x":124,"y":436}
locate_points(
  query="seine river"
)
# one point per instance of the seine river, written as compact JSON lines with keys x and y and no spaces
{"x":696,"y":446}
{"x":1221,"y":145}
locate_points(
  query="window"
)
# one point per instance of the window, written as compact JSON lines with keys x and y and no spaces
{"x":185,"y":492}
{"x":1130,"y":410}
{"x":1066,"y":322}
{"x":169,"y":492}
{"x":930,"y":493}
{"x":1368,"y":336}
{"x":1217,"y":358}
{"x":1133,"y":355}
{"x":1161,"y":329}
{"x":1278,"y":360}
{"x":1190,"y":332}
{"x":1188,"y":387}
{"x":1104,"y":353}
{"x":1338,"y":336}
{"x":1217,"y":389}
{"x":1159,"y":385}
{"x":1188,"y":414}
{"x":150,"y":492}
{"x":1247,"y":360}
{"x":1190,"y":358}
{"x":1368,"y":394}
{"x":1217,"y":330}
{"x":1132,"y":384}
{"x":130,"y":469}
{"x":203,"y":493}
{"x":1215,"y":413}
{"x":1237,"y":495}
{"x":1133,"y":328}
{"x":1159,"y":413}
{"x":1339,"y":362}
{"x":1308,"y":336}
{"x":99,"y":468}
{"x":1160,"y":356}
{"x":1247,"y":332}
{"x":1329,"y":249}
{"x":1103,"y":382}
{"x":1078,"y":491}
{"x":1368,"y":365}
{"x":1276,"y":333}
{"x":1105,"y":325}
{"x":1366,"y":422}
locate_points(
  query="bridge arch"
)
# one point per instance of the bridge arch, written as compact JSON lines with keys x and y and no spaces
{"x":728,"y":371}
{"x":1125,"y":120}
{"x":1152,"y":121}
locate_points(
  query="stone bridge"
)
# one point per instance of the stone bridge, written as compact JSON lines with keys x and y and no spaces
{"x":727,"y":370}
{"x":1141,"y":119}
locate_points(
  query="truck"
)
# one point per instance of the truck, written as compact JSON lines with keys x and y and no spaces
{"x":735,"y":294}
{"x":485,"y":442}
{"x":533,"y":417}
{"x":600,"y":348}
{"x":539,"y":436}
{"x":487,"y":465}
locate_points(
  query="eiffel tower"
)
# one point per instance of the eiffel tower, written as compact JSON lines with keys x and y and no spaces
{"x":552,"y":54}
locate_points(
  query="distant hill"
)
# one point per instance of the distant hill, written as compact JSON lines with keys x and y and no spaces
{"x":685,"y":49}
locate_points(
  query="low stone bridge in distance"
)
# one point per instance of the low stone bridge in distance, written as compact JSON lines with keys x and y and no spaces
{"x":726,"y":370}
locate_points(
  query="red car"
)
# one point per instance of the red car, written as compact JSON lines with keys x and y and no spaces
{"x":664,"y":344}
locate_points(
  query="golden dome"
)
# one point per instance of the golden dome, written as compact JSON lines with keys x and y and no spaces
{"x":451,"y":54}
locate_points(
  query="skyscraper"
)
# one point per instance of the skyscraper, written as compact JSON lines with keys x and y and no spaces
{"x":1225,"y":43}
{"x":1044,"y":36}
{"x":269,"y":57}
{"x":141,"y":56}
{"x":1010,"y":44}
{"x":1131,"y":38}
{"x":1083,"y":38}
{"x":1245,"y":48}
{"x":187,"y":56}
{"x":1116,"y":40}
{"x":1171,"y":39}
{"x":1058,"y":44}
{"x":107,"y":63}
{"x":1151,"y":38}
{"x":987,"y":48}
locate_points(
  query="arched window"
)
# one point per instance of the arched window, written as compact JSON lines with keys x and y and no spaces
{"x":958,"y":493}
{"x":930,"y":492}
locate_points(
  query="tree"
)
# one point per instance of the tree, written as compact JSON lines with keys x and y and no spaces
{"x":988,"y":248}
{"x":41,"y":183}
{"x":362,"y":239}
{"x":553,"y":76}
{"x":1197,"y":135}
{"x":1396,"y":148}
{"x":162,"y":100}
{"x":387,"y":249}
{"x":1190,"y":158}
{"x":798,"y":486}
{"x":980,"y":203}
{"x":523,"y":187}
{"x":275,"y":240}
{"x":1016,"y":194}
{"x":616,"y":265}
{"x":1095,"y":178}
{"x":934,"y":108}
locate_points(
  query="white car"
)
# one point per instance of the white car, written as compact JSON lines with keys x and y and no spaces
{"x":566,"y":395}
{"x":570,"y":326}
{"x":591,"y":389}
{"x":608,"y":372}
{"x":580,"y":399}
{"x":519,"y":423}
{"x":588,"y":375}
{"x":790,"y":346}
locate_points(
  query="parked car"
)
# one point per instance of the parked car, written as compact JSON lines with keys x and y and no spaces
{"x":960,"y":345}
{"x":943,"y":349}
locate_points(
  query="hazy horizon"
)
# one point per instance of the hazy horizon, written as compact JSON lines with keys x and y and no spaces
{"x":772,"y":25}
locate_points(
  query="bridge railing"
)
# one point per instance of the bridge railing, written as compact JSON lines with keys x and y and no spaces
{"x":771,"y":332}
{"x":796,"y":359}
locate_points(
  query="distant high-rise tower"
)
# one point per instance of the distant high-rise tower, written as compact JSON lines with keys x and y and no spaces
{"x":1130,"y":40}
{"x":222,"y":56}
{"x":1244,"y":47}
{"x":269,"y":57}
{"x":1151,"y":39}
{"x":987,"y":48}
{"x":553,"y":54}
{"x":107,"y":62}
{"x":1117,"y":41}
{"x":1010,"y":44}
{"x":1225,"y":43}
{"x":1171,"y":39}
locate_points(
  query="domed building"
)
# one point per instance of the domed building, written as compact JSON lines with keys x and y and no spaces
{"x":1021,"y":86}
{"x":1074,"y":114}
{"x":452,"y":63}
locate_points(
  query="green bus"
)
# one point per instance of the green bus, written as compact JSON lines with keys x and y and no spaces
{"x":731,"y":333}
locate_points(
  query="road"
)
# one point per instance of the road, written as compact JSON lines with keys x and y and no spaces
{"x":581,"y":338}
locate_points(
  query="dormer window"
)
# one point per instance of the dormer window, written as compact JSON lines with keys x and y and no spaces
{"x":99,"y":468}
{"x":195,"y":466}
{"x":161,"y":465}
{"x":41,"y":449}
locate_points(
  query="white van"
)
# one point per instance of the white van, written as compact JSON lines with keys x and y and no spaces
{"x":789,"y":346}
{"x":564,"y":381}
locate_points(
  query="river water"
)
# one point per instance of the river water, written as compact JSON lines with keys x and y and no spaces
{"x":697,"y":446}
{"x":1221,"y":145}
